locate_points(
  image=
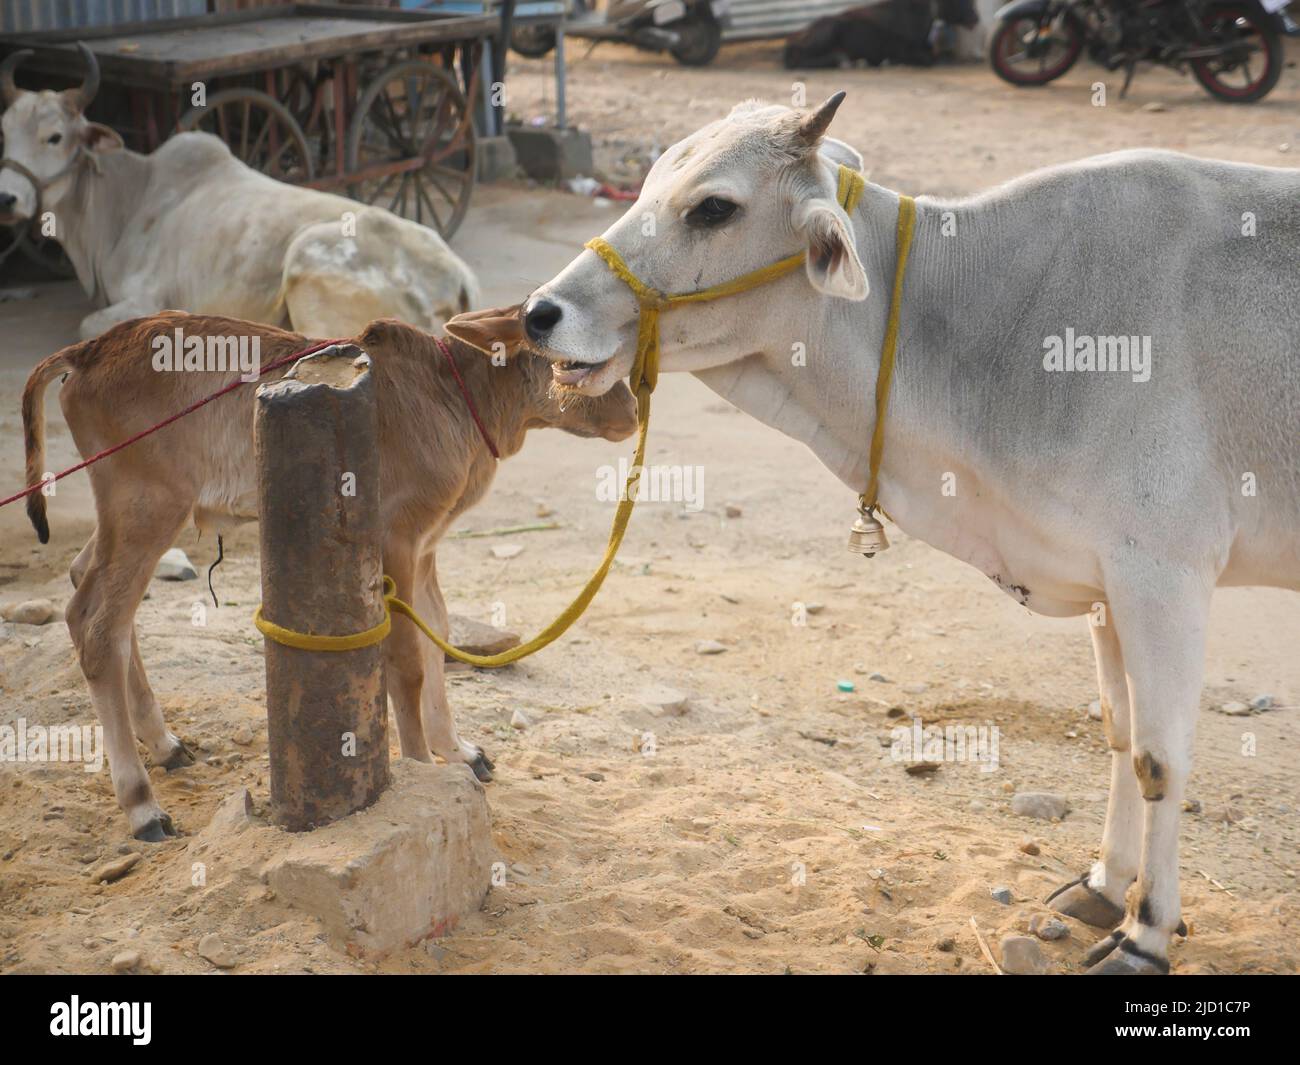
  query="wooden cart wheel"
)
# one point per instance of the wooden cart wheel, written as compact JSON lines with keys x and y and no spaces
{"x":47,"y":254}
{"x":414,"y":111}
{"x":258,"y":129}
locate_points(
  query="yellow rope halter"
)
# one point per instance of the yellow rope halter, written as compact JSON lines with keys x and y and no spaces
{"x":642,"y":380}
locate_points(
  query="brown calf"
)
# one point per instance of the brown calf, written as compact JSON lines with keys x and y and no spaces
{"x":434,"y":465}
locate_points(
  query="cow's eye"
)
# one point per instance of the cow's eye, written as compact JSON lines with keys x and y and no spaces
{"x":712,"y":211}
{"x":54,"y":138}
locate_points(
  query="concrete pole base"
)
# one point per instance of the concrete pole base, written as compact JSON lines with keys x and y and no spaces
{"x":405,"y":869}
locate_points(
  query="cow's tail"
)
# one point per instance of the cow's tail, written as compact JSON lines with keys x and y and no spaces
{"x":34,"y":434}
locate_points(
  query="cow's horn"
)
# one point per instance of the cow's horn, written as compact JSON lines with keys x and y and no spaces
{"x":7,"y":68}
{"x":90,"y":84}
{"x":814,"y":126}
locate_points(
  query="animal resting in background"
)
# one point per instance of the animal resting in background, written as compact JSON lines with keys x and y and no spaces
{"x":434,"y":465}
{"x":1096,"y":401}
{"x":895,"y":30}
{"x":192,"y":227}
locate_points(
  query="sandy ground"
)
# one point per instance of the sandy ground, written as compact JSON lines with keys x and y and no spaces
{"x":766,"y":828}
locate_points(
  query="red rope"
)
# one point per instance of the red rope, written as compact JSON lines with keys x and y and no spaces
{"x":469,"y":401}
{"x":174,"y":418}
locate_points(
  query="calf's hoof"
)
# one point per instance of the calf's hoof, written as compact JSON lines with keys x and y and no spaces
{"x":1117,"y":955}
{"x":156,"y":829}
{"x":1076,"y":899}
{"x":483,"y":766}
{"x":181,"y":757}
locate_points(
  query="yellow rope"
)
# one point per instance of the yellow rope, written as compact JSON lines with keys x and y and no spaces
{"x":906,"y":227}
{"x":642,"y":380}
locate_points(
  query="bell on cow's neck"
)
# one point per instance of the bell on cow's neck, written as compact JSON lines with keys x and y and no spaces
{"x":868,"y":535}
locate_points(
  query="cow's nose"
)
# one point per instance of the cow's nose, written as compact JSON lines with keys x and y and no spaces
{"x":542,"y":317}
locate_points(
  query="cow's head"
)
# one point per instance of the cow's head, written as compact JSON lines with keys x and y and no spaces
{"x":500,"y":333}
{"x":959,"y":13}
{"x":45,"y":135}
{"x":742,"y":193}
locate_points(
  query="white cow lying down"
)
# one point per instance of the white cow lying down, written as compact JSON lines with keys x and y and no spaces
{"x":192,"y":227}
{"x":1126,"y":493}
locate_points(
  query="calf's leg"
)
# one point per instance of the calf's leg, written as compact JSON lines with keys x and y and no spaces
{"x":1097,"y":898}
{"x":137,"y":524}
{"x":164,"y":748}
{"x":1161,"y":622}
{"x":403,"y":655}
{"x":439,"y":727}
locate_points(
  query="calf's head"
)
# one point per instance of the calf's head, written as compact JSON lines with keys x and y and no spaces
{"x":754,"y":188}
{"x":45,"y":135}
{"x":500,"y":333}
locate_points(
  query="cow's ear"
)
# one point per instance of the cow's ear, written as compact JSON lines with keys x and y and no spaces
{"x":499,"y":331}
{"x":99,"y":138}
{"x":833,"y":264}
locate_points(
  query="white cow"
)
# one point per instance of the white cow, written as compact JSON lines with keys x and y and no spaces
{"x":192,"y":227}
{"x":1128,"y":491}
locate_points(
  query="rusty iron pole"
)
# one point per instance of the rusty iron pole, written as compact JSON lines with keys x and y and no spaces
{"x":317,"y":433}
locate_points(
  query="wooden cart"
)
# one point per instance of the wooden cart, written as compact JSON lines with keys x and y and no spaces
{"x":376,"y":102}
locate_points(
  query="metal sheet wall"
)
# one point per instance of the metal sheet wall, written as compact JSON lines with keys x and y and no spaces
{"x":26,"y":16}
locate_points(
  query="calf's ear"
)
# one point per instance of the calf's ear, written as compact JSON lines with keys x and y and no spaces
{"x":833,"y":265}
{"x":98,"y":138}
{"x":499,"y":331}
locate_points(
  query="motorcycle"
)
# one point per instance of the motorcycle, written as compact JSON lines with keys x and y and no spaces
{"x":689,"y":30}
{"x":1233,"y":47}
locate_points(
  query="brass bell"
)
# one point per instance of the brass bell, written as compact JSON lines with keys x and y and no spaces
{"x":868,"y":535}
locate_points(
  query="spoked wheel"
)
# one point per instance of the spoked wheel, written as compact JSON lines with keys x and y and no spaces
{"x":8,"y":245}
{"x":700,"y":40}
{"x":1025,"y":52}
{"x":21,"y":242}
{"x":259,"y":131}
{"x":1253,"y":66}
{"x":46,"y":253}
{"x":412,"y":145}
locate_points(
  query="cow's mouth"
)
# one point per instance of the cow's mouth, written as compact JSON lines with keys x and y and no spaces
{"x":574,"y":374}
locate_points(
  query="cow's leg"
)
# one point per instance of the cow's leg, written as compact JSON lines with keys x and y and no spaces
{"x":1097,"y":898}
{"x":128,"y":542}
{"x":434,"y":708}
{"x":403,"y":655}
{"x":94,"y":324}
{"x":1161,"y":623}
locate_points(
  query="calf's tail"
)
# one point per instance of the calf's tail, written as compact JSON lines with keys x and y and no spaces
{"x":34,"y":434}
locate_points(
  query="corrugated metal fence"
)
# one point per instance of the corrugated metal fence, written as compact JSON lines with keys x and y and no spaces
{"x":25,"y":16}
{"x":751,"y":19}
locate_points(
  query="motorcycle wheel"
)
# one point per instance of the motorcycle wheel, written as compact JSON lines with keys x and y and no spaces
{"x":532,"y":41}
{"x":1019,"y":56}
{"x":1248,"y":80}
{"x":700,"y":40}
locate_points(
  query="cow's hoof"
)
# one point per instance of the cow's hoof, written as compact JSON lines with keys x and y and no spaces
{"x":483,"y":766}
{"x":1102,"y":948}
{"x":1076,"y":899}
{"x":1124,"y":962}
{"x":156,"y":829}
{"x":1116,"y":955}
{"x":181,"y":757}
